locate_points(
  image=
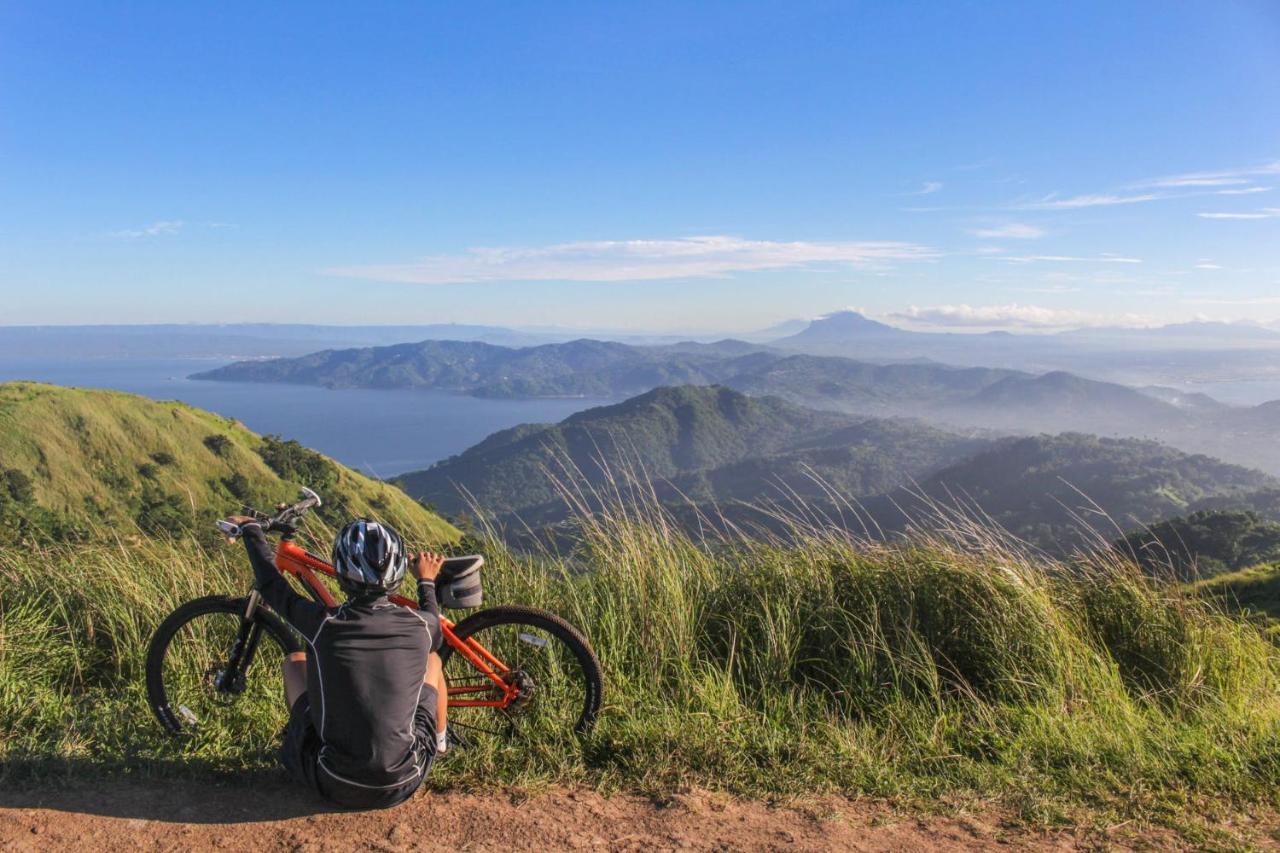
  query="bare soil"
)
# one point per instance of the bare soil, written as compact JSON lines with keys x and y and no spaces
{"x":121,"y":814}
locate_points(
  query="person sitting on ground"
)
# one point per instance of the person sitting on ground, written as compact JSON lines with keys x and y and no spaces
{"x":367,"y":699}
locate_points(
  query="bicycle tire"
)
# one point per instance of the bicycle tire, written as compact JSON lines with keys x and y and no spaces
{"x":157,"y":692}
{"x":552,"y":624}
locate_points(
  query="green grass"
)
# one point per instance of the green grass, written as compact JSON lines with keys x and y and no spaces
{"x":103,"y":459}
{"x":922,"y":672}
{"x":1253,"y":592}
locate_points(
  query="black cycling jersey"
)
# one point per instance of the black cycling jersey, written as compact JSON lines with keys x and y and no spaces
{"x":365,"y":666}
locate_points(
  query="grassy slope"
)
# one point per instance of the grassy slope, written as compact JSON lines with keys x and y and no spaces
{"x":920,"y":672}
{"x":1254,"y":592}
{"x":92,"y":454}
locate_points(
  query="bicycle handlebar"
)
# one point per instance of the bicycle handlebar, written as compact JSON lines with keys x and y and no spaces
{"x":285,"y":519}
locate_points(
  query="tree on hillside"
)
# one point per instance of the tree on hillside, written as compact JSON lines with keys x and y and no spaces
{"x":1204,"y":543}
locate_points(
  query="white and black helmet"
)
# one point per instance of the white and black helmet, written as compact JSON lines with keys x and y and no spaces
{"x":369,"y":557}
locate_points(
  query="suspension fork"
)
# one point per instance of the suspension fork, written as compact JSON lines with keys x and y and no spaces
{"x":240,"y":658}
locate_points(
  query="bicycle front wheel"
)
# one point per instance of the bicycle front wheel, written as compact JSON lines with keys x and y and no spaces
{"x":214,"y":673}
{"x":550,"y":664}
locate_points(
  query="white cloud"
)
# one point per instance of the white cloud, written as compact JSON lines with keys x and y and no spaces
{"x":1235,"y":182}
{"x":928,"y":188}
{"x":1099,"y":259}
{"x":634,"y":260}
{"x":1208,"y":265}
{"x":161,"y":228}
{"x":1244,"y":191}
{"x":1225,"y":177}
{"x":1264,"y":213}
{"x":1007,"y":316}
{"x":1014,"y":230}
{"x":1052,"y":202}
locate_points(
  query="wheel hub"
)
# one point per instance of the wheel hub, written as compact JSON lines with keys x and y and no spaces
{"x":524,"y":685}
{"x":227,"y":685}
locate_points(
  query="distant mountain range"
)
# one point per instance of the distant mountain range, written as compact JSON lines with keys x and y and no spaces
{"x":702,"y":446}
{"x":951,"y":397}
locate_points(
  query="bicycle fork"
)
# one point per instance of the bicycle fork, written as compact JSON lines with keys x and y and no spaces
{"x":231,"y":678}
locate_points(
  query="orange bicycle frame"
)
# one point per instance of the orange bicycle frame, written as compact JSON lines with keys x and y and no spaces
{"x":305,"y":566}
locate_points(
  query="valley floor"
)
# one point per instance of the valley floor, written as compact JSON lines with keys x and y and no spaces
{"x":270,"y":816}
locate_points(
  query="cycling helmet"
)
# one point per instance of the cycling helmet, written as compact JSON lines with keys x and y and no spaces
{"x":369,"y":558}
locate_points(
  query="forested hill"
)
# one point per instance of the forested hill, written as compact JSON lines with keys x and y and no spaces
{"x":701,"y":446}
{"x":1203,"y":544}
{"x":711,"y":443}
{"x":77,"y":463}
{"x":582,"y":368}
{"x":1072,"y":490}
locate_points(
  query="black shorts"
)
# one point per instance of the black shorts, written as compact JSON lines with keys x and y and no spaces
{"x":300,"y":755}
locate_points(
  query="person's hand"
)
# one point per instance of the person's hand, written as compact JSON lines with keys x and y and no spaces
{"x":426,"y":565}
{"x":238,"y":521}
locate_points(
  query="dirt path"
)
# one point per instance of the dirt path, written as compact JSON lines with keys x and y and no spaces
{"x":123,"y":815}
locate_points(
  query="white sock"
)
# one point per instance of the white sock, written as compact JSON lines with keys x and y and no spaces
{"x":442,"y":741}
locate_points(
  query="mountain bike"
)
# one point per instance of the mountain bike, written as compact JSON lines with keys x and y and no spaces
{"x":213,"y":665}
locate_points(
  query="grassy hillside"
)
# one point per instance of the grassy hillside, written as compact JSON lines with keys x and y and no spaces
{"x":73,"y":461}
{"x":1254,"y":592}
{"x":926,"y":672}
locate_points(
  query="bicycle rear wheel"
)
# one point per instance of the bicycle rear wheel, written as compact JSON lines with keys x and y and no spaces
{"x":550,"y":662}
{"x":213,"y":673}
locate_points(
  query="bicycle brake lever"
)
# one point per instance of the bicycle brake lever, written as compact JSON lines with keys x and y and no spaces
{"x":228,"y":529}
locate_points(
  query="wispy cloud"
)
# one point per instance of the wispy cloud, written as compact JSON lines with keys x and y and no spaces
{"x":1208,"y":265}
{"x":1264,"y":213}
{"x":1096,"y":259}
{"x":1244,"y":191}
{"x":1014,"y":230}
{"x":1220,"y":178}
{"x":634,"y":260}
{"x":928,"y":188}
{"x":1052,"y":202}
{"x":161,"y":228}
{"x":1007,"y":316}
{"x":1232,"y":182}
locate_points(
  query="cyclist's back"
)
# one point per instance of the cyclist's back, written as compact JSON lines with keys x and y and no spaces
{"x":364,"y":732}
{"x":371,"y":658}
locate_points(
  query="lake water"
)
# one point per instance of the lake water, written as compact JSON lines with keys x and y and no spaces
{"x":382,"y":433}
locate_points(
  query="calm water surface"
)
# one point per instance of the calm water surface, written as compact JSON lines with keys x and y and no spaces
{"x":382,"y":433}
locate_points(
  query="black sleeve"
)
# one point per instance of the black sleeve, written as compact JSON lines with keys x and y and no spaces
{"x":430,"y":610}
{"x":301,"y":613}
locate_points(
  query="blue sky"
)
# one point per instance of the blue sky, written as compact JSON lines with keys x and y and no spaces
{"x":708,"y":166}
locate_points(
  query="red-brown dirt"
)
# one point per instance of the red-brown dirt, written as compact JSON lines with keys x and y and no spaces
{"x":183,"y":815}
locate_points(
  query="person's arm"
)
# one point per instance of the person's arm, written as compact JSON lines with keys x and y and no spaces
{"x":301,"y":613}
{"x":425,"y":567}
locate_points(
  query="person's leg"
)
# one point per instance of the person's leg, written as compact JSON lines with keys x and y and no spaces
{"x":295,"y":677}
{"x":435,"y":677}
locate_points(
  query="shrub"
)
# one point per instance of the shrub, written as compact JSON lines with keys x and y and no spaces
{"x":218,"y":444}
